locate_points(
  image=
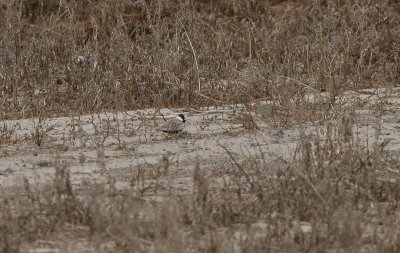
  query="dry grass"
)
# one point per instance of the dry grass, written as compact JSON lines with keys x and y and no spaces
{"x":76,"y":57}
{"x":127,"y":55}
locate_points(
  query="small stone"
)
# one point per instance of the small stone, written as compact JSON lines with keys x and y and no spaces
{"x":190,"y":150}
{"x":237,"y":248}
{"x":35,"y":154}
{"x":9,"y":171}
{"x":50,"y":128}
{"x":278,"y":132}
{"x":6,"y":171}
{"x":263,"y":109}
{"x":80,"y":59}
{"x":398,"y":122}
{"x":252,"y":144}
{"x":43,"y":164}
{"x":306,"y":227}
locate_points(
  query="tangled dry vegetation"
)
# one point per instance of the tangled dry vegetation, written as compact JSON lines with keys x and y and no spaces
{"x":83,"y":57}
{"x":134,"y":54}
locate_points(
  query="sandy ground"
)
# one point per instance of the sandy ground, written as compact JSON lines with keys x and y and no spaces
{"x":95,"y":147}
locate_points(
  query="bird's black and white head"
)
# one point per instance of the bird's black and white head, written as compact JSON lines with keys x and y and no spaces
{"x":181,"y":117}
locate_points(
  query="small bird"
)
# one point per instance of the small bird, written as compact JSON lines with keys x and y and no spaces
{"x":173,"y":126}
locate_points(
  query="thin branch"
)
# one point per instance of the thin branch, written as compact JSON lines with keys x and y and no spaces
{"x":313,"y":187}
{"x":194,"y":54}
{"x":239,"y":166}
{"x":204,"y":96}
{"x":297,"y":81}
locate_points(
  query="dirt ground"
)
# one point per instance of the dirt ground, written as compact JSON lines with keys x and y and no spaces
{"x":125,"y":140}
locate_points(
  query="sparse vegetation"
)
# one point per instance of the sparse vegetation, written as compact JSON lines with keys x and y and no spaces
{"x":337,"y":192}
{"x":40,"y":130}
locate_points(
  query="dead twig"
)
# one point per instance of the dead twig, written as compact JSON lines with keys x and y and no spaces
{"x":194,"y":54}
{"x":238,"y":165}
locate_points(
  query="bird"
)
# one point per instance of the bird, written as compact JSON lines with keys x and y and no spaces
{"x":174,"y":125}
